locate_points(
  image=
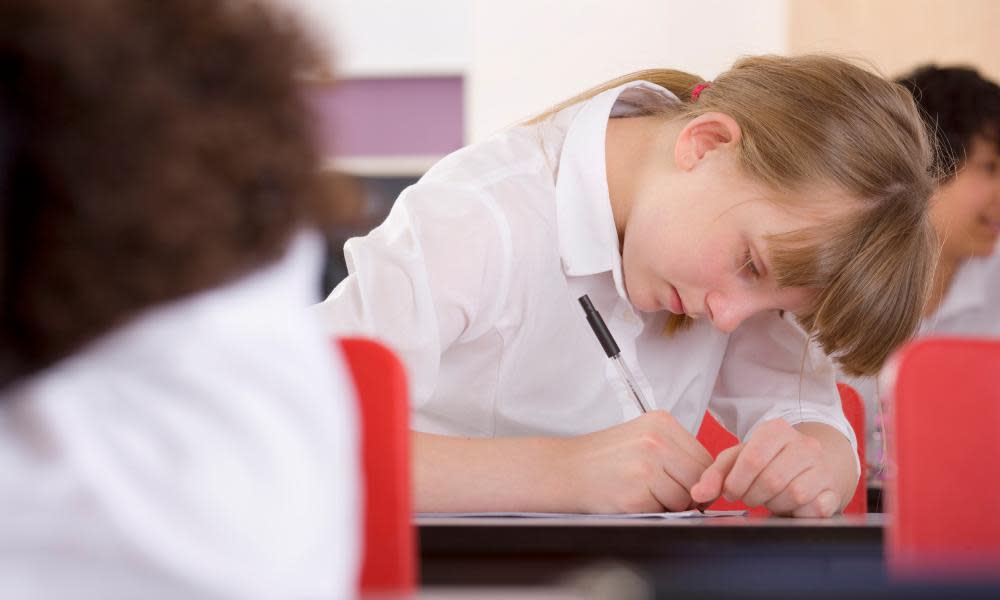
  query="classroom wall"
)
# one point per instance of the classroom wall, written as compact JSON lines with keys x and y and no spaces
{"x":529,"y":54}
{"x":896,"y":35}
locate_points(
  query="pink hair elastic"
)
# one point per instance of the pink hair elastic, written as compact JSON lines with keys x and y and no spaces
{"x":698,"y":89}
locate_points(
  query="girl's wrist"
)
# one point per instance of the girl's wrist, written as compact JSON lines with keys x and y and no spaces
{"x":553,"y":477}
{"x":839,"y":455}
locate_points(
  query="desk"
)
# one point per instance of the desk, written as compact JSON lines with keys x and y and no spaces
{"x":482,"y":593}
{"x":481,"y":551}
{"x":729,"y":557}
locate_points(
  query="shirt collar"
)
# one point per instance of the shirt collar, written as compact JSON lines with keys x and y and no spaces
{"x":588,"y":240}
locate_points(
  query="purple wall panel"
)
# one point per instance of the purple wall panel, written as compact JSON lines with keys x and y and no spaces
{"x":383,"y":117}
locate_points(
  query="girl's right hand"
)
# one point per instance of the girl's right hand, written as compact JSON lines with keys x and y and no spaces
{"x":648,"y":464}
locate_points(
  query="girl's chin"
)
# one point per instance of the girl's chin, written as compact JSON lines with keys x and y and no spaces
{"x":646,"y":304}
{"x":642,"y":307}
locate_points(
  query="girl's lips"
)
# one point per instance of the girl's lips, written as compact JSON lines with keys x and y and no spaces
{"x":676,"y":304}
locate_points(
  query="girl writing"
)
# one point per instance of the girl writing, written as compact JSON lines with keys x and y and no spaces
{"x":733,"y":234}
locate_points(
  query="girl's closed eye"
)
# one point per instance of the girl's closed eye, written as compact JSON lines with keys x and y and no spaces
{"x":749,"y":265}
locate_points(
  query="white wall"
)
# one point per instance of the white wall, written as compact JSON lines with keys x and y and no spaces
{"x":529,"y":54}
{"x":390,"y":38}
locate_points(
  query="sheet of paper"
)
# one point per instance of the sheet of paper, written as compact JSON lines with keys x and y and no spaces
{"x":687,"y":514}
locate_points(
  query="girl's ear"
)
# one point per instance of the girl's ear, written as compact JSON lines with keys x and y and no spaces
{"x":704,"y":133}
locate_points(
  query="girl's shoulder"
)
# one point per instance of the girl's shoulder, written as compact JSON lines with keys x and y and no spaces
{"x":508,"y":177}
{"x":521,"y":152}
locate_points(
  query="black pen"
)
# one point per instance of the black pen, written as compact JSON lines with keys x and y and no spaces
{"x":611,"y":349}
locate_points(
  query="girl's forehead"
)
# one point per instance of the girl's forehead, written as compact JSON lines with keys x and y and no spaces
{"x":814,"y":200}
{"x":810,"y":205}
{"x":763,"y":209}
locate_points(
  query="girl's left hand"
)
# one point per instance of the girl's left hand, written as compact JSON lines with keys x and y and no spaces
{"x":778,"y":467}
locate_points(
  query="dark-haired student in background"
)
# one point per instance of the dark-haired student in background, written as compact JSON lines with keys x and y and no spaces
{"x":172,"y":423}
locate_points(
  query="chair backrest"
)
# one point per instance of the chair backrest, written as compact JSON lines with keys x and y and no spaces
{"x":854,"y":410}
{"x":389,"y":554}
{"x":943,"y":483}
{"x":715,"y":438}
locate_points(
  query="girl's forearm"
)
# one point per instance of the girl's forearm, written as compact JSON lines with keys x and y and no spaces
{"x":454,"y":474}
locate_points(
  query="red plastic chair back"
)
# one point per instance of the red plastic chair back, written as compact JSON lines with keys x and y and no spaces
{"x":854,"y":410}
{"x":716,"y":438}
{"x":943,"y":484}
{"x":389,"y":555}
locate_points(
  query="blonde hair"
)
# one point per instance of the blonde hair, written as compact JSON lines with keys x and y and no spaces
{"x":818,"y":120}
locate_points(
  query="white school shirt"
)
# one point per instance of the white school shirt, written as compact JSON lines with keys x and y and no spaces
{"x":474,"y":278}
{"x":970,"y":308}
{"x":207,"y":449}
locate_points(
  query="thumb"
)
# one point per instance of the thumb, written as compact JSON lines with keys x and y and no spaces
{"x":709,"y":487}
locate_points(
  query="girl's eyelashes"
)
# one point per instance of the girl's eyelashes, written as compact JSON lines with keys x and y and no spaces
{"x":749,"y":265}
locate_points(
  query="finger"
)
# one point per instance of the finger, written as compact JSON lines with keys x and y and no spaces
{"x":758,"y":452}
{"x":681,"y":467}
{"x":776,"y":476}
{"x":709,"y":487}
{"x":799,"y":492}
{"x":684,"y":468}
{"x":670,"y":459}
{"x":693,"y":448}
{"x":824,"y":505}
{"x":684,"y":439}
{"x":672,"y":495}
{"x":644,"y":502}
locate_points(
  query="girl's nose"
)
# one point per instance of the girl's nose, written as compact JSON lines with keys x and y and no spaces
{"x":728,"y":311}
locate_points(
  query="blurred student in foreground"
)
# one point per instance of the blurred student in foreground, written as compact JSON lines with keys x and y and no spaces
{"x":171,"y":423}
{"x":962,"y":109}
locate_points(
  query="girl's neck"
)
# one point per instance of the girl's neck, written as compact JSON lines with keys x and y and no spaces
{"x":628,"y":146}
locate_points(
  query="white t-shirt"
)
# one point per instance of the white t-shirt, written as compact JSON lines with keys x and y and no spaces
{"x":205,"y":449}
{"x":970,"y":308}
{"x":474,"y":279}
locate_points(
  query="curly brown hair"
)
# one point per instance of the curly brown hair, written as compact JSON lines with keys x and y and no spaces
{"x":958,"y":104}
{"x":148,"y":149}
